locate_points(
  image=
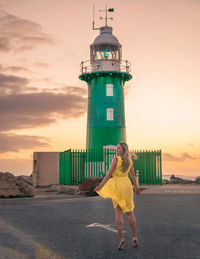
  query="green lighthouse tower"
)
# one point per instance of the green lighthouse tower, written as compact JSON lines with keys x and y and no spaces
{"x":105,"y":74}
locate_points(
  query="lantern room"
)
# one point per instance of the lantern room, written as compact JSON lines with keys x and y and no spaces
{"x":105,"y":52}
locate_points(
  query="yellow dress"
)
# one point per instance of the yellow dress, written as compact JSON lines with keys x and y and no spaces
{"x":119,"y":188}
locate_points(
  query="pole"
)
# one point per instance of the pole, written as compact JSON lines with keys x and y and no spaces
{"x":137,"y":177}
{"x":106,"y":15}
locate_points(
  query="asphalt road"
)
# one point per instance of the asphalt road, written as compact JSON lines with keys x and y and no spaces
{"x":168,"y":227}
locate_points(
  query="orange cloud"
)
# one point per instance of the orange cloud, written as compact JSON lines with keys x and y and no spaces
{"x":17,"y":34}
{"x":15,"y":143}
{"x":170,"y":157}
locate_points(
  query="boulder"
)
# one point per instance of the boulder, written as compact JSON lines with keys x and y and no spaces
{"x":25,"y":178}
{"x":89,"y":184}
{"x":175,"y":180}
{"x":12,"y":186}
{"x":187,"y":181}
{"x":178,"y":180}
{"x":197,"y":180}
{"x":165,"y":181}
{"x":26,"y":189}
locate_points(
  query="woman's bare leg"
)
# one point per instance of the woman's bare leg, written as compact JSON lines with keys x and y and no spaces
{"x":120,"y":223}
{"x":132,"y":222}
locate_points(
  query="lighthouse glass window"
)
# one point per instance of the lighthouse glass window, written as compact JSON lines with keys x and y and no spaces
{"x":106,"y":54}
{"x":109,"y":114}
{"x":109,"y":90}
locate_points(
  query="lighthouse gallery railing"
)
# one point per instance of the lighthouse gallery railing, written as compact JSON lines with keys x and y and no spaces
{"x":125,"y":66}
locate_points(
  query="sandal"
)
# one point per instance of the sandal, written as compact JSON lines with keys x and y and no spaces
{"x":121,"y":245}
{"x":135,"y":243}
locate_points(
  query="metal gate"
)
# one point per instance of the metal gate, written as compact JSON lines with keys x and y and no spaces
{"x":76,"y":166}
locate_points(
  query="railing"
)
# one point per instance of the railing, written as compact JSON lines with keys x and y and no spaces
{"x":125,"y":66}
{"x":76,"y":165}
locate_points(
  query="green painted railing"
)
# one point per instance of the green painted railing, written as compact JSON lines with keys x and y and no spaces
{"x":77,"y":165}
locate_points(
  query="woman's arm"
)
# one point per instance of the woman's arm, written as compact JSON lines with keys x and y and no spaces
{"x":108,"y":175}
{"x":137,"y":190}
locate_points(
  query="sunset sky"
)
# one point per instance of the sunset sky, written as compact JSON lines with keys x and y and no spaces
{"x":43,"y":104}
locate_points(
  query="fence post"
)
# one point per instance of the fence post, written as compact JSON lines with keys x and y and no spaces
{"x":160,"y":169}
{"x":137,"y":177}
{"x":61,"y":168}
{"x":68,"y":168}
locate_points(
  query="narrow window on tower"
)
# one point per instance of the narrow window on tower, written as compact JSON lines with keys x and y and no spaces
{"x":109,"y":90}
{"x":110,"y":114}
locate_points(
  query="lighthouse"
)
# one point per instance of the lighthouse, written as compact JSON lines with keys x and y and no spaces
{"x":105,"y":74}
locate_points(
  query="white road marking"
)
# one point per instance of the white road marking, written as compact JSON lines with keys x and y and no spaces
{"x":108,"y":227}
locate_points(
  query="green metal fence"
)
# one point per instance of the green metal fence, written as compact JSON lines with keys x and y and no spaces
{"x":77,"y":165}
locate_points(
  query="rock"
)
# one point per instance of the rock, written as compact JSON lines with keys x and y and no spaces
{"x":54,"y":188}
{"x":12,"y":186}
{"x":197,"y":180}
{"x":89,"y":184}
{"x":175,"y":180}
{"x":178,"y":180}
{"x":26,"y":189}
{"x":67,"y":189}
{"x":81,"y":193}
{"x":187,"y":181}
{"x":164,"y":181}
{"x":6,"y":175}
{"x":25,"y":178}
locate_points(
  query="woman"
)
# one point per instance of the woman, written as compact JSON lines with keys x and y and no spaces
{"x":117,"y":185}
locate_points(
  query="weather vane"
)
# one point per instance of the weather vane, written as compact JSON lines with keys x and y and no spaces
{"x":101,"y":18}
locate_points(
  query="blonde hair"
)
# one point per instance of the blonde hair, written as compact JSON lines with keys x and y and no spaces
{"x":125,"y":156}
{"x":134,"y":156}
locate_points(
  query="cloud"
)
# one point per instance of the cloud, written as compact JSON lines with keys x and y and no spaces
{"x":10,"y":80}
{"x":17,"y":34}
{"x":15,"y":143}
{"x":43,"y":65}
{"x":22,"y":106}
{"x":4,"y":44}
{"x":38,"y":109}
{"x":12,"y":84}
{"x":74,"y":90}
{"x":13,"y":69}
{"x":4,"y":2}
{"x":184,"y":156}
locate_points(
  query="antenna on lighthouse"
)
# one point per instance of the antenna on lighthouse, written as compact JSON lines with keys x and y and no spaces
{"x":101,"y":18}
{"x":94,"y":19}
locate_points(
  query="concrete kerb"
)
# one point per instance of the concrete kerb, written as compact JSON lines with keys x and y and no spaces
{"x":171,"y":188}
{"x":56,"y":192}
{"x":46,"y":194}
{"x":145,"y":189}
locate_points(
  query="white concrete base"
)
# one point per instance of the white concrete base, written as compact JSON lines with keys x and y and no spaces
{"x":45,"y":168}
